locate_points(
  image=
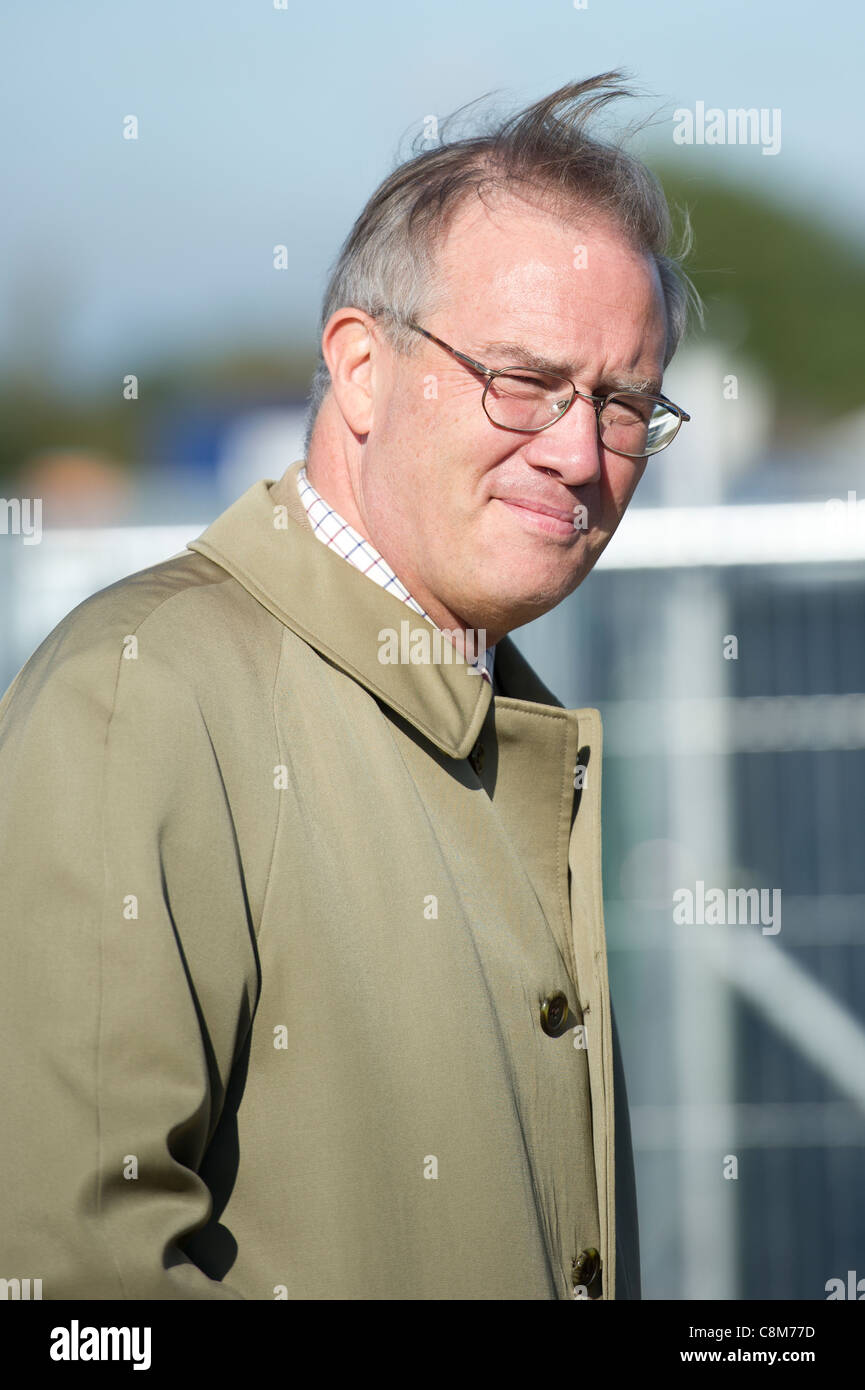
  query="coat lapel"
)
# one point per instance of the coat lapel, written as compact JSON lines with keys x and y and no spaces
{"x":270,"y":548}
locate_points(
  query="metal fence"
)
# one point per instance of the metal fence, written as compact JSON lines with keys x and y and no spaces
{"x":733,"y":765}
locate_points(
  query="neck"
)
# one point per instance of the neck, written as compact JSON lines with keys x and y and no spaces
{"x":331,"y":472}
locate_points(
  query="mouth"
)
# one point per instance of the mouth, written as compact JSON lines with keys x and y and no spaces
{"x":539,"y":516}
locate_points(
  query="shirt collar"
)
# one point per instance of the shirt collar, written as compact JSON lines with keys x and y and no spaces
{"x":334,"y":530}
{"x":270,"y":549}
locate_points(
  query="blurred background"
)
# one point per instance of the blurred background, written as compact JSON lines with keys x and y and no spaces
{"x":178,"y":179}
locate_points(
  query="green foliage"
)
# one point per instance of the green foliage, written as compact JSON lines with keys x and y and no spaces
{"x":784,"y":287}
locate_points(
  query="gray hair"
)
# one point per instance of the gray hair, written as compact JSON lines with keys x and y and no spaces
{"x":387,"y":264}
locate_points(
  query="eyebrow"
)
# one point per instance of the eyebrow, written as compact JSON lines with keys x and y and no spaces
{"x":521,"y":356}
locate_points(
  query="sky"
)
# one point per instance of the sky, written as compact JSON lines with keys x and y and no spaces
{"x":260,"y":126}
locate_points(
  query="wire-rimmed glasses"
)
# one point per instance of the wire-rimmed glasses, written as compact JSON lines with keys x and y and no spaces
{"x":526,"y":400}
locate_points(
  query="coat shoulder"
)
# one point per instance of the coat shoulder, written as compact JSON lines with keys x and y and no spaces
{"x":185,"y":611}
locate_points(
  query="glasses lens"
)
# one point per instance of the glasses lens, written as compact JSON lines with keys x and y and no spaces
{"x":637,"y":424}
{"x":523,"y":400}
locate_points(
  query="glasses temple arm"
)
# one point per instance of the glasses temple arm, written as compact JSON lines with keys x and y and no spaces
{"x":479,"y":366}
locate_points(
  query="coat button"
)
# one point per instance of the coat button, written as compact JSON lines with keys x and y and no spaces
{"x":554,"y":1011}
{"x":476,"y":757}
{"x":587,"y":1271}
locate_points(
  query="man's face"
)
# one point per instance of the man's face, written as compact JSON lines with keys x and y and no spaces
{"x":448,"y":497}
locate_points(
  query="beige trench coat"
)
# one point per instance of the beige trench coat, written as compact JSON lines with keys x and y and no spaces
{"x":276,"y":950}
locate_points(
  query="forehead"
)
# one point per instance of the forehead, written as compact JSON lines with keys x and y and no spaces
{"x":509,"y":269}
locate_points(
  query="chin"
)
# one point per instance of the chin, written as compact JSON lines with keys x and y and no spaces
{"x":511,"y":608}
{"x":541,"y":586}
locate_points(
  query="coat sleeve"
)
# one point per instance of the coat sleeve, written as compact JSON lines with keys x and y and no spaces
{"x":128,"y":967}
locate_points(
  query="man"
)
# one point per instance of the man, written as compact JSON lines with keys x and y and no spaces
{"x":305,"y":976}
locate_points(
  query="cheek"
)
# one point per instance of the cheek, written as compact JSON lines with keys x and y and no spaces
{"x":458,"y":424}
{"x":619,"y":479}
{"x":441,"y":397}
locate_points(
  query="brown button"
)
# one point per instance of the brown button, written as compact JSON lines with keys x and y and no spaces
{"x":554,"y":1011}
{"x":586,"y":1271}
{"x":476,"y":757}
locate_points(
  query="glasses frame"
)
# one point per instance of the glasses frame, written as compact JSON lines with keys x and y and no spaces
{"x":597,"y":401}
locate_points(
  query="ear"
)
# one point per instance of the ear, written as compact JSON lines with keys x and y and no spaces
{"x":349,"y":346}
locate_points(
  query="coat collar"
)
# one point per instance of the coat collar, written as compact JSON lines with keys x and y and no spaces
{"x":271,"y":550}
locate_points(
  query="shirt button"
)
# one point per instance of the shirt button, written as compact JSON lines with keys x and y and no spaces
{"x":554,"y":1011}
{"x":587,"y":1271}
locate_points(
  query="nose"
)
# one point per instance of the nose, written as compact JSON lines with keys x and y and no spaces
{"x":570,"y":447}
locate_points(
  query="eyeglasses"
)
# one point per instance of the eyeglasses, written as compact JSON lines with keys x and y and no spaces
{"x":526,"y":400}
